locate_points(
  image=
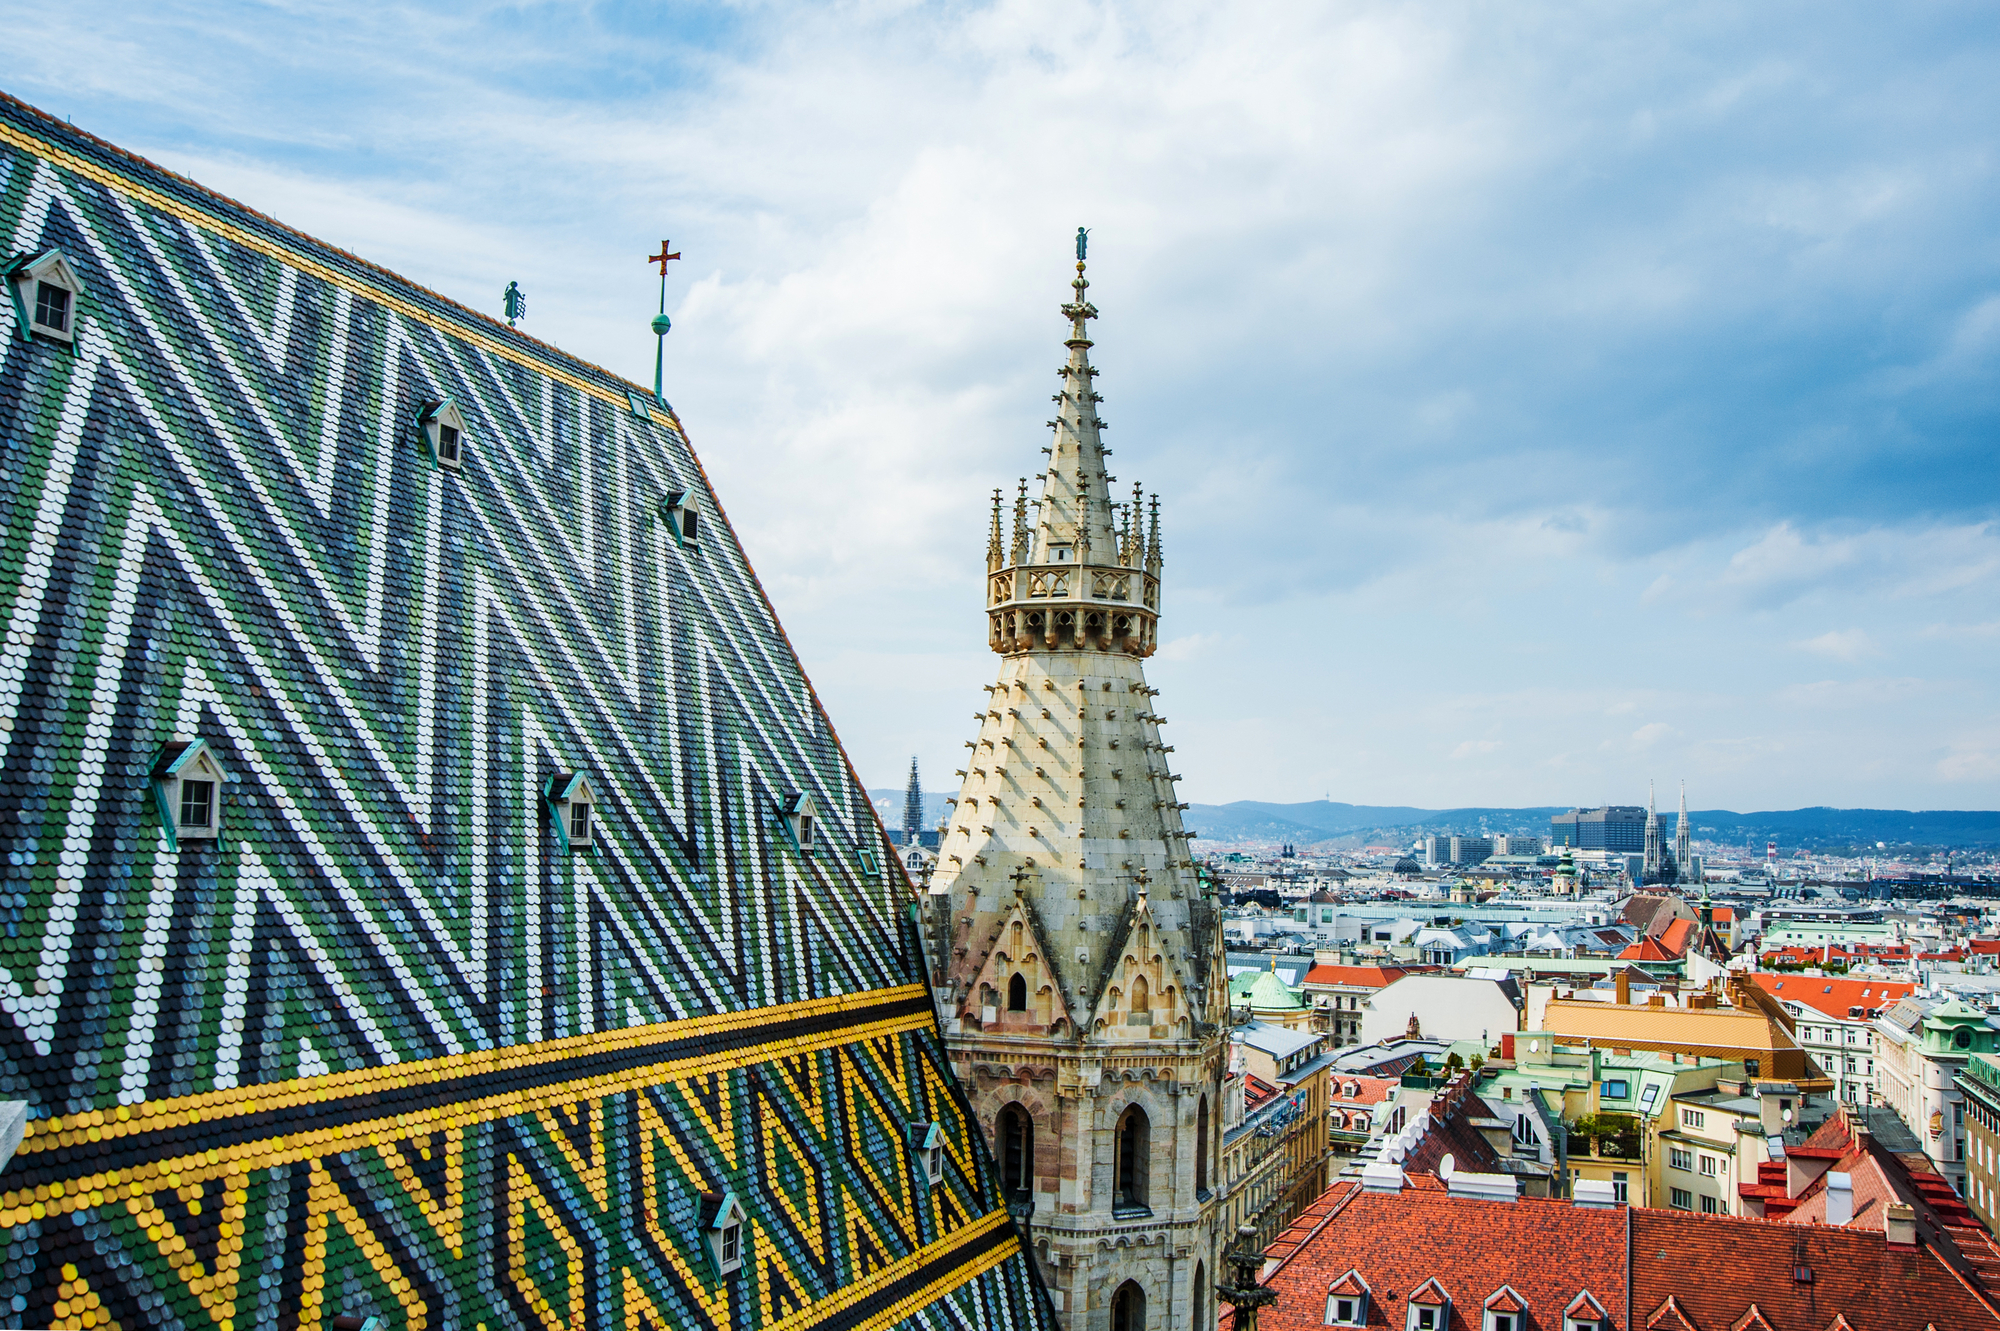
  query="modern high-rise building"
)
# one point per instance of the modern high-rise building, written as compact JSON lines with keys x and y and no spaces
{"x":1077,"y":955}
{"x":1613,"y":827}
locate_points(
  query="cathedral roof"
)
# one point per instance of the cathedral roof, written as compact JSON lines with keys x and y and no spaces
{"x":530,"y":899}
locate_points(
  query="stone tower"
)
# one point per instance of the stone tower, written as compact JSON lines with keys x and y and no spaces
{"x":1653,"y":847}
{"x":1076,"y":953}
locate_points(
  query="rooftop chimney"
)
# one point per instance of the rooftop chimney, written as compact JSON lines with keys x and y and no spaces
{"x":1840,"y":1198}
{"x":1381,"y":1176}
{"x":1901,"y":1222}
{"x":1622,"y":984}
{"x":1486,"y":1187}
{"x":1595,"y":1194}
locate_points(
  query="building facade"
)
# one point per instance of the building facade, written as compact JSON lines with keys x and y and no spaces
{"x":1614,"y":827}
{"x":1836,"y":1025}
{"x":1925,"y":1044}
{"x":1077,"y":952}
{"x":1979,"y":1086}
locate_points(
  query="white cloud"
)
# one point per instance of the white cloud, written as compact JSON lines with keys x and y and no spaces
{"x":1484,"y":399}
{"x":1841,"y":644}
{"x":1474,"y":748}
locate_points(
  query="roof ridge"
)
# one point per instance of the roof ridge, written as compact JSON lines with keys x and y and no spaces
{"x":493,"y":325}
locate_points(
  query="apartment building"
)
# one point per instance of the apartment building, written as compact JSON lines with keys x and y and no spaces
{"x":1836,"y":1020}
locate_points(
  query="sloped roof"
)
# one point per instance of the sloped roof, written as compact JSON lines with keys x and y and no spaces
{"x":1833,"y":995}
{"x":390,"y":980}
{"x":1262,"y":989}
{"x":1373,"y":977}
{"x":1548,"y":1252}
{"x":1855,"y":1273}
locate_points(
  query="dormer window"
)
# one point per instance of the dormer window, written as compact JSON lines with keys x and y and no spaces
{"x":187,"y":791}
{"x":797,"y":815}
{"x":725,"y":1218}
{"x":1584,"y":1313}
{"x":1347,"y":1301}
{"x":683,"y":518}
{"x":572,"y":808}
{"x":928,"y":1139}
{"x":444,"y":432}
{"x":46,"y":293}
{"x":1505,"y":1311}
{"x":1430,"y":1308}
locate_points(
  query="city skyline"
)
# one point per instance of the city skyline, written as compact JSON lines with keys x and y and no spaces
{"x":1537,"y":406}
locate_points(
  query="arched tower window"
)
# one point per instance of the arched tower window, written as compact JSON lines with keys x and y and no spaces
{"x":1200,"y":1318}
{"x":1142,"y":1002}
{"x":1134,"y":1158}
{"x":1016,"y":1133}
{"x":1017,"y":993}
{"x":1128,"y":1308}
{"x":1200,"y":1161}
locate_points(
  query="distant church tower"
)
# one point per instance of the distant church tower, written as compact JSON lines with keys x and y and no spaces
{"x":1652,"y":871}
{"x":1078,"y":962}
{"x":913,"y":807}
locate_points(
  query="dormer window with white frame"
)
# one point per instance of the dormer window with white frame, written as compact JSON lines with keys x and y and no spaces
{"x":573,"y":810}
{"x":187,"y":791}
{"x":1430,"y":1308}
{"x":726,"y":1224}
{"x":1585,"y":1313}
{"x":1347,"y":1301}
{"x":1504,"y":1311}
{"x":800,"y":820}
{"x":683,"y":518}
{"x":46,"y":292}
{"x":444,"y":433}
{"x":928,"y":1139}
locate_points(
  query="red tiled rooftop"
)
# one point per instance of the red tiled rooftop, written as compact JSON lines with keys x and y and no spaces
{"x":1854,"y":1273}
{"x":1373,"y":977}
{"x":1548,"y":1252}
{"x":1833,"y":995}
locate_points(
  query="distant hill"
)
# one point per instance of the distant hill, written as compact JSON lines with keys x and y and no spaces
{"x":1325,"y":820}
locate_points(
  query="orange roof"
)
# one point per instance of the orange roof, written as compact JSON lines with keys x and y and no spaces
{"x":1373,"y":977}
{"x":1833,"y":995}
{"x":1727,"y":1032}
{"x":1646,"y":949}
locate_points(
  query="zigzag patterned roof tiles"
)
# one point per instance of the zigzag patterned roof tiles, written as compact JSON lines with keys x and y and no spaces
{"x":516,"y":948}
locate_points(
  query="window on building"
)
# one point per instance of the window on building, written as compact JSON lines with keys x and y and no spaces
{"x":1681,"y":1199}
{"x":1201,"y":1147}
{"x":1017,"y":993}
{"x":1015,"y":1131}
{"x":570,"y":802}
{"x":1691,"y":1118}
{"x":1134,"y":1159}
{"x":683,"y":518}
{"x":197,"y":805}
{"x":797,"y":814}
{"x":1708,"y":1164}
{"x":1128,"y":1308}
{"x":1962,"y":1038}
{"x":52,"y":307}
{"x":443,"y":432}
{"x":48,"y":289}
{"x":725,"y":1217}
{"x":187,"y":791}
{"x":1710,"y":1206}
{"x":1649,"y":1097}
{"x":1342,"y":1310}
{"x":1617,"y":1090}
{"x":1621,"y":1188}
{"x":1679,"y":1158}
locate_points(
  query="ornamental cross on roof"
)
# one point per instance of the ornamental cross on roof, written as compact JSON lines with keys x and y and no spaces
{"x":663,"y":258}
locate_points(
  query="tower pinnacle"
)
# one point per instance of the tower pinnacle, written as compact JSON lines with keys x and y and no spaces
{"x":1652,"y":870}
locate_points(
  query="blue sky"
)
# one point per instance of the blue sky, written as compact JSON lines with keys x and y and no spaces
{"x":1543,"y":398}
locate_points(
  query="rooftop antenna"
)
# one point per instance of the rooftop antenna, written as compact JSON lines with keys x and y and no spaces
{"x":661,"y":323}
{"x":515,"y":302}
